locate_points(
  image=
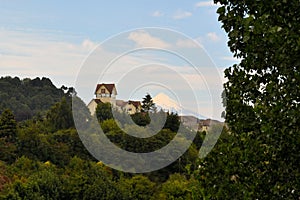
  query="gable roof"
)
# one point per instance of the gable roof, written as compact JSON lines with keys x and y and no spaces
{"x":98,"y":101}
{"x":135,"y":103}
{"x":121,"y":103}
{"x":109,"y":87}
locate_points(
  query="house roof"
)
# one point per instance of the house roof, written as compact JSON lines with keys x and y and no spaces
{"x":135,"y":103}
{"x":98,"y":101}
{"x":121,"y":103}
{"x":109,"y":87}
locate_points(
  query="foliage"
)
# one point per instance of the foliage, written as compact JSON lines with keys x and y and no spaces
{"x":178,"y":187}
{"x":8,"y":136}
{"x":172,"y":122}
{"x":44,"y":158}
{"x":8,"y":126}
{"x":259,"y":158}
{"x":29,"y":97}
{"x":104,"y":111}
{"x":141,"y":119}
{"x":137,"y":187}
{"x":147,"y":104}
{"x":60,"y":116}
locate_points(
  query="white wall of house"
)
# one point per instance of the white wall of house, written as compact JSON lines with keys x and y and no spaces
{"x":103,"y":92}
{"x":130,"y":108}
{"x":92,"y":106}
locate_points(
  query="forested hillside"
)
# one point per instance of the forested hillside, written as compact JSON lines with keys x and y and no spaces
{"x":43,"y":157}
{"x":29,"y":97}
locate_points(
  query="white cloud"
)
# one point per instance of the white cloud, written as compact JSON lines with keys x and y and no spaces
{"x":29,"y":53}
{"x":157,"y":14}
{"x":187,"y":43}
{"x":144,"y":39}
{"x":206,"y":4}
{"x":213,"y":36}
{"x":88,"y":44}
{"x":182,"y":14}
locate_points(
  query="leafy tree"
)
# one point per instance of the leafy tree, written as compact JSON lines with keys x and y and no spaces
{"x":172,"y":122}
{"x":141,"y":119}
{"x":7,"y":151}
{"x":137,"y":187}
{"x":60,"y":115}
{"x":8,"y":136}
{"x":28,"y":97}
{"x":8,"y":126}
{"x":104,"y":111}
{"x":262,"y":103}
{"x":147,"y":104}
{"x":175,"y":188}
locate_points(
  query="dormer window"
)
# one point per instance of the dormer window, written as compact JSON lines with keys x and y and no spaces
{"x":102,"y":91}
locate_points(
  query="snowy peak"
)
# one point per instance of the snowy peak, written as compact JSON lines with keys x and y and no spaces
{"x":166,"y":103}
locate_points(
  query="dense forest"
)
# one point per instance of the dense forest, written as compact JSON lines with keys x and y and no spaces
{"x":43,"y":157}
{"x":29,"y":97}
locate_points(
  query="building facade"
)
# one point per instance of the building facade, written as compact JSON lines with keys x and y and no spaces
{"x":106,"y":93}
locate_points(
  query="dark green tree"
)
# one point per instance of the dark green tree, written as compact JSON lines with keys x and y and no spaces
{"x":104,"y":111}
{"x":138,"y":187}
{"x":262,"y":102}
{"x":147,"y":104}
{"x":172,"y":122}
{"x":141,"y":119}
{"x":8,"y":126}
{"x":28,"y":97}
{"x":60,"y":115}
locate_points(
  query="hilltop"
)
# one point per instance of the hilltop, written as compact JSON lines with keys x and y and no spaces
{"x":29,"y":97}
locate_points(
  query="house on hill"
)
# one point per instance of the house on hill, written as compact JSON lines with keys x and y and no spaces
{"x":130,"y":107}
{"x":106,"y":93}
{"x":204,"y":125}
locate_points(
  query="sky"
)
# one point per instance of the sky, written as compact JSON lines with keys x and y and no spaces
{"x":56,"y":39}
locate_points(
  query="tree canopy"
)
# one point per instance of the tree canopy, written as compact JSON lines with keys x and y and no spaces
{"x":259,"y":158}
{"x":148,"y":104}
{"x":29,"y":97}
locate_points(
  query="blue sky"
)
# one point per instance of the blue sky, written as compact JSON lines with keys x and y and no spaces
{"x":53,"y":38}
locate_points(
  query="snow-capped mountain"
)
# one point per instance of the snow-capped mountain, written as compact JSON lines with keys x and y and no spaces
{"x":163,"y":101}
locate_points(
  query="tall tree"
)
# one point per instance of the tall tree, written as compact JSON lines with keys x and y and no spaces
{"x":8,"y":136}
{"x":172,"y":122}
{"x":60,"y":115}
{"x":147,"y":104}
{"x":8,"y":126}
{"x":262,"y":98}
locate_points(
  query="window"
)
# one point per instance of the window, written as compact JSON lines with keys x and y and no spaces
{"x":102,"y":91}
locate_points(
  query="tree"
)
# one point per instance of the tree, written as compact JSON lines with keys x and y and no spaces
{"x":138,"y":187}
{"x":177,"y":187}
{"x":262,"y":101}
{"x":8,"y":126}
{"x":104,"y":111}
{"x":27,"y":97}
{"x":172,"y":122}
{"x":60,"y":115}
{"x":141,"y":119}
{"x":147,"y":104}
